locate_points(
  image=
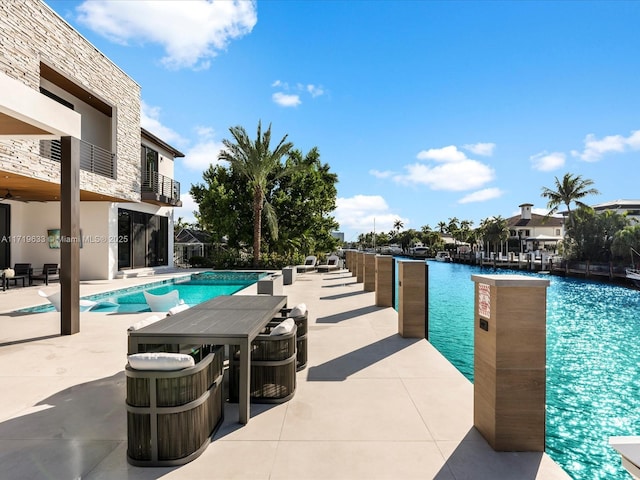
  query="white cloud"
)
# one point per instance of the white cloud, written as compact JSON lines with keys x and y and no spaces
{"x":484,"y":149}
{"x":546,"y":162}
{"x":286,"y":100}
{"x":190,"y":33}
{"x":445,"y":154}
{"x":150,"y":120}
{"x":293,"y":99}
{"x":205,"y":152}
{"x":363,"y":213}
{"x":481,"y":195}
{"x":315,"y":90}
{"x":454,"y":176}
{"x":379,"y":174}
{"x":186,"y":210}
{"x":595,"y":149}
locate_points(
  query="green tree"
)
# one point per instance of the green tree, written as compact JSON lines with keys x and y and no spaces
{"x":592,"y":234}
{"x":495,"y":231}
{"x":626,"y":241}
{"x":304,"y":201}
{"x":571,"y":189}
{"x":255,"y":161}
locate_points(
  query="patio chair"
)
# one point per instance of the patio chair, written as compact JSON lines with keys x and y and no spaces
{"x":309,"y":264}
{"x":174,"y":403}
{"x":333,"y":263}
{"x":22,"y":272}
{"x":300,"y":316}
{"x":49,"y":273}
{"x":273,"y":364}
{"x":164,"y":302}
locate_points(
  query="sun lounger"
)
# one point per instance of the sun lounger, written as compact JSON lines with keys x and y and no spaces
{"x":162,"y":303}
{"x":309,"y":264}
{"x":333,"y":263}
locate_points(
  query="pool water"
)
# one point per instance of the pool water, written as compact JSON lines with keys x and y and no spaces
{"x":192,"y":289}
{"x":593,"y":361}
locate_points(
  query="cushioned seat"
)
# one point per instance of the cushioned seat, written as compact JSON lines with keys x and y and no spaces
{"x":22,"y":272}
{"x":49,"y":273}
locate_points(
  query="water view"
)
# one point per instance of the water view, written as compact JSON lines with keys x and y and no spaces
{"x":593,"y":359}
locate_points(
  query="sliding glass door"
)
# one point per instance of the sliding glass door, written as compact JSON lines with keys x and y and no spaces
{"x":143,"y":240}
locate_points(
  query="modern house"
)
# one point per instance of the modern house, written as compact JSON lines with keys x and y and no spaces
{"x":81,"y":184}
{"x":532,"y":232}
{"x":630,"y":208}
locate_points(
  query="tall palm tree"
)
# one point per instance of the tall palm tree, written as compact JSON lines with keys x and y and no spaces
{"x":397,"y":225}
{"x":571,"y":189}
{"x":260,"y":165}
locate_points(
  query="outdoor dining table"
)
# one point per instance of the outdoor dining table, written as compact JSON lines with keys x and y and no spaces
{"x":223,"y":320}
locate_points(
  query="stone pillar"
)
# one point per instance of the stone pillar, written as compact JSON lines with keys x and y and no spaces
{"x":369,"y":272}
{"x":510,"y":361}
{"x":384,"y":281}
{"x":354,"y":264}
{"x":413,"y":320}
{"x":360,"y":267}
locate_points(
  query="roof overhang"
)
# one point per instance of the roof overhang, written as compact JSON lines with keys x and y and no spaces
{"x":26,"y":113}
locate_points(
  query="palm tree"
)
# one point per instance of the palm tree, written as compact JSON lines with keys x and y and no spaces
{"x":397,"y":225}
{"x":255,"y":161}
{"x":571,"y":189}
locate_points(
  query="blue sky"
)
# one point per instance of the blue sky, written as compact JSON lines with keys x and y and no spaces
{"x":426,"y":110}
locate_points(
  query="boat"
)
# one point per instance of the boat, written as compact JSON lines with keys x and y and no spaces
{"x":420,"y":252}
{"x":443,"y":257}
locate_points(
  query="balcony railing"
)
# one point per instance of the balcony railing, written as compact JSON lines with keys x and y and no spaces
{"x":92,"y":158}
{"x":164,"y":188}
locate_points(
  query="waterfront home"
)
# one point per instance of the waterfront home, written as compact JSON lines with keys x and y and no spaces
{"x":81,"y":184}
{"x":532,"y":232}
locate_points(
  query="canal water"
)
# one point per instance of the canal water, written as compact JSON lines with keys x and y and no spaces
{"x":593,"y":361}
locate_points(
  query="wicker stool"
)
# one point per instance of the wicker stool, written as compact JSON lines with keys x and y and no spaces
{"x":273,"y":368}
{"x":171,"y":415}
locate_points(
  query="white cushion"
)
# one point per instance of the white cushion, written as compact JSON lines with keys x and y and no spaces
{"x":178,"y":308}
{"x":298,"y":311}
{"x":144,"y":323}
{"x":160,"y":361}
{"x":284,"y":327}
{"x":9,"y":273}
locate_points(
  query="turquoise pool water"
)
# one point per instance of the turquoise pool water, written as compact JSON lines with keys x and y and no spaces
{"x":593,"y":361}
{"x":193,"y":289}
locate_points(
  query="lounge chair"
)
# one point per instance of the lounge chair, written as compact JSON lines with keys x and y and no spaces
{"x":49,"y":273}
{"x":22,"y":271}
{"x":162,"y":303}
{"x":54,"y":299}
{"x":333,"y":263}
{"x":309,"y":264}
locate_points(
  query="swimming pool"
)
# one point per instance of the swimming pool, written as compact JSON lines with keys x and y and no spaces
{"x":593,"y":361}
{"x":192,"y":289}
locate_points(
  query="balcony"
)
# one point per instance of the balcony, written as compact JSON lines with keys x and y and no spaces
{"x":159,"y":189}
{"x":92,"y":158}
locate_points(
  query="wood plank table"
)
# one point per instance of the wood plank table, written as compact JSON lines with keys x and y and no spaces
{"x":224,"y":320}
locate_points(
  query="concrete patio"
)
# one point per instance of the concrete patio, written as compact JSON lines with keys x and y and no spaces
{"x":369,"y":405}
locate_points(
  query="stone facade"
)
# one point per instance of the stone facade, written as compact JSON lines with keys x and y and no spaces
{"x":31,"y":34}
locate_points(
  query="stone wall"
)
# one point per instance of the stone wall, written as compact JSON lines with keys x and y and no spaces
{"x":31,"y":33}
